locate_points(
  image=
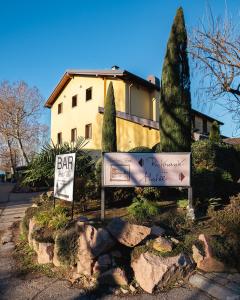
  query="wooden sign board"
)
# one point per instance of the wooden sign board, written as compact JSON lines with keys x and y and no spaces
{"x":146,"y":169}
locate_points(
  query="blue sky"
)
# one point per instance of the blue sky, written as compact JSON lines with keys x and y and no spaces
{"x":41,"y":39}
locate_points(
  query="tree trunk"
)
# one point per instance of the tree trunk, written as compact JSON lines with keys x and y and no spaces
{"x":23,"y":152}
{"x":11,"y":156}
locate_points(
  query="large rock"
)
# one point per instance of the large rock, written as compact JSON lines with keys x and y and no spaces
{"x":45,"y":253}
{"x":96,"y":241}
{"x":103,"y":263}
{"x":163,"y":245}
{"x":91,"y":244}
{"x":152,"y":271}
{"x":85,"y":263}
{"x":207,"y":262}
{"x":114,"y":276}
{"x":32,"y":225}
{"x":128,"y":234}
{"x":56,"y":259}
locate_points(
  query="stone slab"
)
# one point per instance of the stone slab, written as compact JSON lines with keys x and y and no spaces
{"x":212,"y":288}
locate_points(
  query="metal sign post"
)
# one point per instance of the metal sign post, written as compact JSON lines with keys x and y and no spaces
{"x":102,"y":191}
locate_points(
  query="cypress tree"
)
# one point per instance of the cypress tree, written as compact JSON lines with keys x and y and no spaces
{"x":214,"y":135}
{"x":109,"y":137}
{"x":175,"y":97}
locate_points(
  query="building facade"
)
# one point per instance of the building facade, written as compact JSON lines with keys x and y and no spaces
{"x":77,"y":107}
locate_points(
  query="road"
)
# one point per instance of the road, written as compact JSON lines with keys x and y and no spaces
{"x":14,"y":287}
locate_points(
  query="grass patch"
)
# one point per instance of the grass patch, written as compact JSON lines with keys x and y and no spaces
{"x":26,"y":259}
{"x":67,"y":246}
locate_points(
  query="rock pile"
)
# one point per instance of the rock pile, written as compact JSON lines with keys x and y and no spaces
{"x":100,"y":254}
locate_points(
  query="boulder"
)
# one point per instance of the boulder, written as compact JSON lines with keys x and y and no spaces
{"x":56,"y":260}
{"x":128,"y":234}
{"x":94,"y":241}
{"x":207,"y":262}
{"x":116,"y":254}
{"x":32,"y":224}
{"x":35,"y":245}
{"x":114,"y":277}
{"x":103,"y":263}
{"x":45,"y":253}
{"x":162,"y":245}
{"x":157,"y":231}
{"x":85,"y":263}
{"x":152,"y":271}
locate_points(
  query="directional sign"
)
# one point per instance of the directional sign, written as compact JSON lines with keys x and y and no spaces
{"x":64,"y":176}
{"x":146,"y":169}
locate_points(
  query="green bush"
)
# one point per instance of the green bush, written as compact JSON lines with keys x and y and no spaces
{"x":156,"y":148}
{"x":226,"y":249}
{"x":52,"y":218}
{"x":67,"y":246}
{"x":182,"y":203}
{"x":228,"y":219}
{"x":142,"y":210}
{"x":215,"y":170}
{"x":175,"y":222}
{"x":150,"y":193}
{"x":142,"y":149}
{"x":212,"y":156}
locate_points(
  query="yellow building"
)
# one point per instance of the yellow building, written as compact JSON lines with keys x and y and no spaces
{"x":77,"y":107}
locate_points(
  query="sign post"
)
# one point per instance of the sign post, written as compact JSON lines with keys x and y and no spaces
{"x":146,"y":169}
{"x":64,"y":177}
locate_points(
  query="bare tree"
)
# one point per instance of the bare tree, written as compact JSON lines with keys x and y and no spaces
{"x":215,"y":49}
{"x":20,"y":109}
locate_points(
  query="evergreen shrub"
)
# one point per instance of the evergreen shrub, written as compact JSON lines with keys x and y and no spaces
{"x":142,"y":209}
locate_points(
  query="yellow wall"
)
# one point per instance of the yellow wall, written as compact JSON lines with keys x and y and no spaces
{"x":129,"y":135}
{"x":85,"y":112}
{"x":139,"y":101}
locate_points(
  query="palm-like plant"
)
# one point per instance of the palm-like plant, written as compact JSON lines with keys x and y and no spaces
{"x":41,"y":169}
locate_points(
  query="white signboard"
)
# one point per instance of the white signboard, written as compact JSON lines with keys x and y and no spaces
{"x":147,"y":169}
{"x":64,"y":176}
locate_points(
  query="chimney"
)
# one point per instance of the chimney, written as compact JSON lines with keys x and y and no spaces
{"x":154,"y":80}
{"x":115,"y":68}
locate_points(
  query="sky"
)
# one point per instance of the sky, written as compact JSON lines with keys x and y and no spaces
{"x":40,"y":40}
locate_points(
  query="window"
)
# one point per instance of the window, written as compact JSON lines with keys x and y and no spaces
{"x":74,"y":101}
{"x":73,"y":135}
{"x":59,"y":138}
{"x":60,"y":108}
{"x":88,"y":131}
{"x":89,"y":94}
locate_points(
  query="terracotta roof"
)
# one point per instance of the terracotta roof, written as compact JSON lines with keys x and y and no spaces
{"x":232,"y":141}
{"x":69,"y":74}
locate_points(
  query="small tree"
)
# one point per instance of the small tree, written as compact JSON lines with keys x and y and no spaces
{"x":175,"y":99}
{"x":109,"y":137}
{"x":214,"y":135}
